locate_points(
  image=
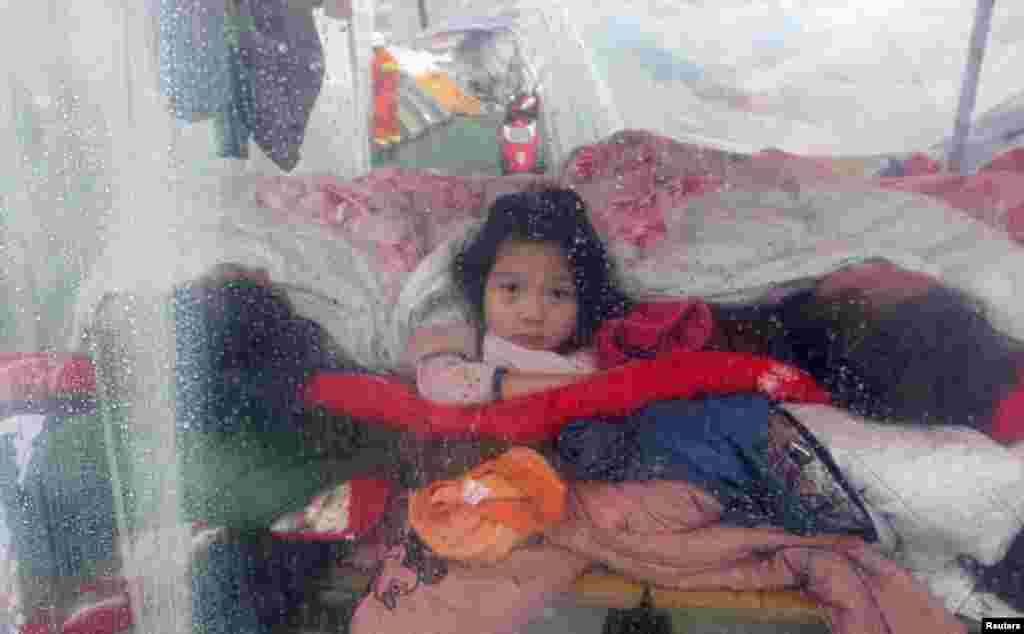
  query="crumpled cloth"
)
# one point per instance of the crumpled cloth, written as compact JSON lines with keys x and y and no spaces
{"x":495,"y":507}
{"x":667,"y":533}
{"x":651,"y":328}
{"x":664,"y":533}
{"x":470,"y":599}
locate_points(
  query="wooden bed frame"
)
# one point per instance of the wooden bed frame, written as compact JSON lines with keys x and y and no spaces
{"x":330,"y":602}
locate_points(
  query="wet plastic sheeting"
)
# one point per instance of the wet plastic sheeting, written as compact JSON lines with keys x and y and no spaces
{"x":103,"y":190}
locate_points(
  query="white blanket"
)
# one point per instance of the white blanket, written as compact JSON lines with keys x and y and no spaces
{"x":936,"y":495}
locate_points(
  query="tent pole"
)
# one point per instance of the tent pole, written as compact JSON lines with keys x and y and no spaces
{"x":969,"y":89}
{"x":424,"y":23}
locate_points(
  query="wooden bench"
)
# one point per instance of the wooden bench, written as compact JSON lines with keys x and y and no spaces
{"x":593,"y":590}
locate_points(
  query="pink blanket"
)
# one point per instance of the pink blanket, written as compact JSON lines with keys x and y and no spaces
{"x":664,"y":533}
{"x":396,"y":217}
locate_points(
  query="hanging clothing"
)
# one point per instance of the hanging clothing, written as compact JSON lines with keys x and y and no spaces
{"x":254,"y":66}
{"x":193,"y":57}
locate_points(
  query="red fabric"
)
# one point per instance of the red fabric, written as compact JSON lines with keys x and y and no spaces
{"x":106,"y":617}
{"x":369,"y":500}
{"x":33,"y":376}
{"x":881,"y":283}
{"x":994,"y":195}
{"x":108,"y":614}
{"x":1011,"y":161}
{"x":1008,"y":422}
{"x":921,"y":164}
{"x":655,"y":327}
{"x":539,"y":417}
{"x":630,"y":179}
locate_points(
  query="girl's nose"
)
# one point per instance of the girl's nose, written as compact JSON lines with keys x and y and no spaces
{"x":533,"y":308}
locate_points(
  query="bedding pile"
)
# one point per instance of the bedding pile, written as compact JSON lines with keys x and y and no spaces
{"x":662,"y":532}
{"x":367,"y":258}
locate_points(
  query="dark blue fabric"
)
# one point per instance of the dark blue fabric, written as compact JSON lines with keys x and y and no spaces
{"x":61,"y":516}
{"x":284,"y":62}
{"x":257,"y":73}
{"x":220,"y":593}
{"x":67,"y":405}
{"x":193,"y":52}
{"x":242,"y":356}
{"x":275,"y":73}
{"x":706,"y":442}
{"x":893,"y":168}
{"x":702,"y":442}
{"x":242,"y":587}
{"x":720,"y":444}
{"x":599,"y":449}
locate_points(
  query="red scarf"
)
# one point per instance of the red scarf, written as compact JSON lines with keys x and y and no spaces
{"x":654,"y":328}
{"x":1008,"y":420}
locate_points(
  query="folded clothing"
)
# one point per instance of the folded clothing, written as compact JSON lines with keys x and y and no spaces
{"x":761,"y":467}
{"x":654,"y":327}
{"x":492,"y":509}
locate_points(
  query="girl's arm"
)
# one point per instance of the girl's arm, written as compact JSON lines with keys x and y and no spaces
{"x":518,"y":383}
{"x":452,"y":378}
{"x":443,"y":360}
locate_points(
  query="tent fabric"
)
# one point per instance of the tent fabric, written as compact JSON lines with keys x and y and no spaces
{"x":102,"y":191}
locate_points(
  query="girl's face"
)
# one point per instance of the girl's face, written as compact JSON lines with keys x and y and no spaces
{"x":530,"y":297}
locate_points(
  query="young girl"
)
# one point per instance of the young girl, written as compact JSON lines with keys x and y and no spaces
{"x":537,"y":282}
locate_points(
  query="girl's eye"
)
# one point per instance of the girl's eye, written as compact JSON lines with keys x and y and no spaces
{"x":510,"y":287}
{"x":562,"y":294}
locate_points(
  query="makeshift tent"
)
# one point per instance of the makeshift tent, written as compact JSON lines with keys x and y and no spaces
{"x":104,"y":189}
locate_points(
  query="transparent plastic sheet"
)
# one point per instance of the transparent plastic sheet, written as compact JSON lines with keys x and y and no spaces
{"x":104,"y":192}
{"x":806,"y":77}
{"x":90,"y":152}
{"x":810,"y":78}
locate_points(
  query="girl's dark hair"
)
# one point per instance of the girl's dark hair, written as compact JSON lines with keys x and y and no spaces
{"x":932,"y":360}
{"x":551,"y":215}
